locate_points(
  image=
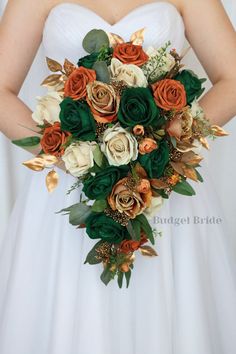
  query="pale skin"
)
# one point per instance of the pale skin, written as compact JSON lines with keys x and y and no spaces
{"x":208,"y":27}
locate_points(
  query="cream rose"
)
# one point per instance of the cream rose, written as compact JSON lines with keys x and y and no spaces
{"x":131,"y":74}
{"x":196,"y":110}
{"x":155,"y":206}
{"x":119,"y":146}
{"x":78,"y":157}
{"x":48,"y":108}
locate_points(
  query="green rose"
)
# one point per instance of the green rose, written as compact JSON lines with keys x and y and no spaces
{"x":88,"y":60}
{"x":99,"y":225}
{"x":137,"y":106}
{"x":76,"y":118}
{"x":155,"y":162}
{"x":192,"y":84}
{"x":99,"y":186}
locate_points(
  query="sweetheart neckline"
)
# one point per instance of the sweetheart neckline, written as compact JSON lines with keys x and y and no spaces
{"x":138,"y":8}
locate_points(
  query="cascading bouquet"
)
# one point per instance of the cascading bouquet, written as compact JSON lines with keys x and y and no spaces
{"x":126,"y":123}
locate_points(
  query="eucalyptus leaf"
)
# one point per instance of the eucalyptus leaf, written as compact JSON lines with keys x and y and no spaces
{"x":78,"y":213}
{"x":106,"y":275}
{"x":99,"y":206}
{"x":102,"y":72}
{"x":27,"y":142}
{"x":184,"y":188}
{"x":91,"y":256}
{"x":95,"y":40}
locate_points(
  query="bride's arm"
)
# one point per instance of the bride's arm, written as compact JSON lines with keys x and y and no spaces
{"x":20,"y":36}
{"x":212,"y":36}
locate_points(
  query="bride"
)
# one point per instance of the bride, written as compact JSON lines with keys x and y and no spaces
{"x":181,"y":302}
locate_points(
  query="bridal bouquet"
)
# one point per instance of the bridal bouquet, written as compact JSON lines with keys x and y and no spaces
{"x":126,"y":123}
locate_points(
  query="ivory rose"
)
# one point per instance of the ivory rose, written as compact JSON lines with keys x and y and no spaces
{"x":119,"y":146}
{"x":131,"y":74}
{"x":154,"y":207}
{"x":48,"y":108}
{"x":78,"y":157}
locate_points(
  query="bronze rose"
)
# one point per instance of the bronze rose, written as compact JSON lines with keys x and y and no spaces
{"x":103,"y":101}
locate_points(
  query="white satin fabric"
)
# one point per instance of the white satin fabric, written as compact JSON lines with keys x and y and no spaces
{"x":181,"y":302}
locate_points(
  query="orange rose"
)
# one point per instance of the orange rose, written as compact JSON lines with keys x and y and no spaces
{"x":75,"y":86}
{"x":138,"y":130}
{"x":144,"y":186}
{"x":147,"y":145}
{"x":128,"y":246}
{"x":53,"y":139}
{"x":129,"y":53}
{"x":169,"y":94}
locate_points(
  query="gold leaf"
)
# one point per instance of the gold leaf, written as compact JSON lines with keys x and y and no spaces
{"x":140,"y":170}
{"x":158,"y":183}
{"x":68,"y":67}
{"x":191,"y":158}
{"x":53,"y":65}
{"x":204,"y":143}
{"x":190,"y":172}
{"x":35,"y":164}
{"x":52,"y":80}
{"x":130,"y":258}
{"x":52,"y":180}
{"x":49,"y":160}
{"x":147,"y":251}
{"x":218,"y":131}
{"x":137,"y":37}
{"x":114,"y":39}
{"x":178,"y":167}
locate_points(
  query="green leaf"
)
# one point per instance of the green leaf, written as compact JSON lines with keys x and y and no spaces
{"x":146,"y":227}
{"x":134,"y":229}
{"x":120,"y":279}
{"x":91,"y":256}
{"x":98,"y":156}
{"x":102,"y":72}
{"x":173,"y":141}
{"x":106,"y":275}
{"x":27,"y":142}
{"x":128,"y":276}
{"x":99,"y":206}
{"x":95,"y":40}
{"x":184,"y":188}
{"x":163,"y":194}
{"x":199,"y":177}
{"x":78,"y":213}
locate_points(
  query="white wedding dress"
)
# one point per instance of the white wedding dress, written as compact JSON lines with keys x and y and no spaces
{"x":181,"y":302}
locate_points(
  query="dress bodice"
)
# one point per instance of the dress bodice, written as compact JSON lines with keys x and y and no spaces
{"x":68,"y":23}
